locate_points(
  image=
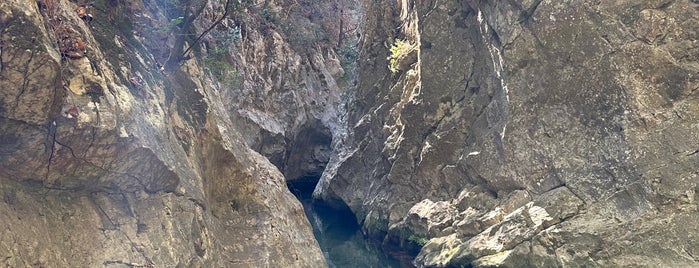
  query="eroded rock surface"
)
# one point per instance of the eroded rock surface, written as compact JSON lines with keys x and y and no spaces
{"x":108,"y":158}
{"x":472,"y":133}
{"x":290,"y":98}
{"x":526,"y":133}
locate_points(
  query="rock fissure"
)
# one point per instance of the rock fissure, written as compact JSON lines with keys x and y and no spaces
{"x":25,"y":79}
{"x":112,"y":224}
{"x":2,"y":46}
{"x":127,"y":263}
{"x":50,"y":145}
{"x":424,"y":145}
{"x":574,"y":193}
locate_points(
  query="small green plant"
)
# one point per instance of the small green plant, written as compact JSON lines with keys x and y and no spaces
{"x":399,"y":50}
{"x":418,"y":240}
{"x":216,"y":65}
{"x":176,"y":22}
{"x":226,"y":37}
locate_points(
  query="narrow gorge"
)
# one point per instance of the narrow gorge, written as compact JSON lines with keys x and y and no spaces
{"x":349,"y":133}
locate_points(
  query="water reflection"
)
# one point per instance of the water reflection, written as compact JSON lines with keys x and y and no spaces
{"x":338,"y":233}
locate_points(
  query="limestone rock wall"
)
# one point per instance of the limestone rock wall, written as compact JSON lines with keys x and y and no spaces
{"x":525,"y":133}
{"x":293,"y":80}
{"x":107,"y":159}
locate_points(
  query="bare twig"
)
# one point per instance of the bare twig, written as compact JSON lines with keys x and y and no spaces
{"x":217,"y":22}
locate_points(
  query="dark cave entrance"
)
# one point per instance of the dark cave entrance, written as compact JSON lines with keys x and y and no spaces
{"x":329,"y":222}
{"x":308,"y":153}
{"x":335,"y":227}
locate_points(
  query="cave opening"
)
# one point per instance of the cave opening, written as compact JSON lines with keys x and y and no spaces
{"x":329,"y":222}
{"x":335,"y":226}
{"x":308,"y":153}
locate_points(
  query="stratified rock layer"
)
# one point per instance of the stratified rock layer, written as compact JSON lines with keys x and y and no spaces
{"x":526,"y":133}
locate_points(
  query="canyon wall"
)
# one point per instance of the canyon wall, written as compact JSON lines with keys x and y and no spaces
{"x":525,"y":133}
{"x":118,"y":151}
{"x":465,"y":133}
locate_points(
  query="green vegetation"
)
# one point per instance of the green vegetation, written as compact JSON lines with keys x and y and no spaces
{"x":176,"y":21}
{"x":418,"y":240}
{"x":184,"y":13}
{"x":226,"y":37}
{"x":216,"y":65}
{"x":399,"y":50}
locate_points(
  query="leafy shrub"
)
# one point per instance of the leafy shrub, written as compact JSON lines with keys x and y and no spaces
{"x":399,"y":50}
{"x":216,"y":65}
{"x":418,"y":240}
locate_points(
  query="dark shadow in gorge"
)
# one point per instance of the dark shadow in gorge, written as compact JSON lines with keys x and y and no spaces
{"x":337,"y":231}
{"x":308,"y":153}
{"x":334,"y":225}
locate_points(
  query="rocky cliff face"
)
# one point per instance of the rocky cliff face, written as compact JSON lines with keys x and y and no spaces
{"x":286,"y":105}
{"x":525,"y":133}
{"x":114,"y":153}
{"x":469,"y":133}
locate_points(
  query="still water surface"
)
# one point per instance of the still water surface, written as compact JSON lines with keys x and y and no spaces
{"x":338,"y":233}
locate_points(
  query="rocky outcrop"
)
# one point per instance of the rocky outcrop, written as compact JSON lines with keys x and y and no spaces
{"x":293,"y":80}
{"x":469,"y":133}
{"x":110,"y":159}
{"x":525,"y":133}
